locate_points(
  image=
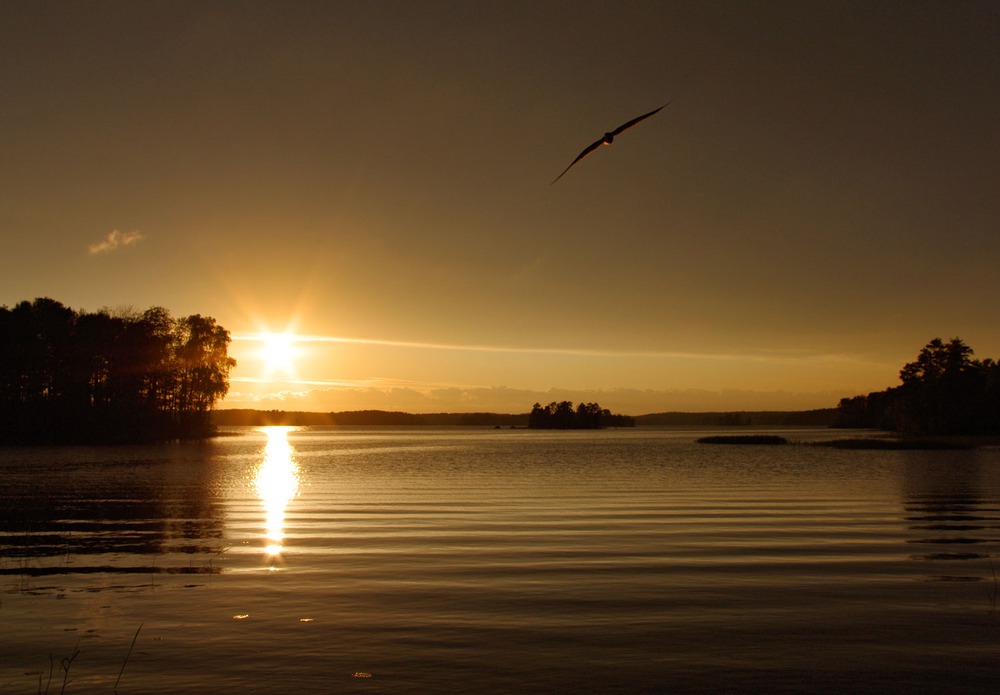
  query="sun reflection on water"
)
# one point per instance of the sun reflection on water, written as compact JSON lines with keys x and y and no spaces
{"x":277,"y":483}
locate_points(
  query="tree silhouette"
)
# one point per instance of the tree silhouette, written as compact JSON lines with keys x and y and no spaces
{"x":98,"y":377}
{"x":945,"y":391}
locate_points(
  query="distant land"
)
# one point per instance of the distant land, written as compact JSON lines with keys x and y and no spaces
{"x":822,"y":417}
{"x":791,"y":418}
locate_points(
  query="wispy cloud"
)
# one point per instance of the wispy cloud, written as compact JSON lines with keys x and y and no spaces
{"x":772,"y":357}
{"x":115,"y":240}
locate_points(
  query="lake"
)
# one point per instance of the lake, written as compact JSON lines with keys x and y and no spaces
{"x":384,"y":560}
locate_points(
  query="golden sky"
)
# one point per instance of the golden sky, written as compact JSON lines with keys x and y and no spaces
{"x":819,"y":199}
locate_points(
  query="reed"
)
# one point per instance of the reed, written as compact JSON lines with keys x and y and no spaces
{"x":64,"y":666}
{"x":127,"y":656}
{"x":996,"y":586}
{"x":66,"y":663}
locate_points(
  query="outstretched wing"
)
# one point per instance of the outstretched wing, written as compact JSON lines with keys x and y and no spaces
{"x":625,"y":126}
{"x":580,"y":156}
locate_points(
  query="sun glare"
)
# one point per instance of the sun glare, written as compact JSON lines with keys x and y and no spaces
{"x":278,"y":353}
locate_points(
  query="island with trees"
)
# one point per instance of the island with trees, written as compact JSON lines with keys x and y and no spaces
{"x":70,"y":376}
{"x":586,"y":416}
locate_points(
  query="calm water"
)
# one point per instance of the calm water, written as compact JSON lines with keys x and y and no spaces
{"x":496,"y":561}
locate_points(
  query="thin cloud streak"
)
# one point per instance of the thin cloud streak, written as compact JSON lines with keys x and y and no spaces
{"x":115,"y":240}
{"x":568,"y":352}
{"x":369,"y":383}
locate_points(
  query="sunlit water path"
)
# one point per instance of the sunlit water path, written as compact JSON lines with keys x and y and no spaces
{"x":496,"y":561}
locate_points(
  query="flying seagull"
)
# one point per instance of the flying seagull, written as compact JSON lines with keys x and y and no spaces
{"x":608,"y":139}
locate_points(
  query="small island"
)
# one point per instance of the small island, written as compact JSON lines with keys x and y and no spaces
{"x":586,"y":416}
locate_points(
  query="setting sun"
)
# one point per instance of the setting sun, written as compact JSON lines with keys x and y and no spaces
{"x":278,"y":353}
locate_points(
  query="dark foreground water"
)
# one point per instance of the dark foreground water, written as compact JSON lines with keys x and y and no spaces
{"x":452,"y":561}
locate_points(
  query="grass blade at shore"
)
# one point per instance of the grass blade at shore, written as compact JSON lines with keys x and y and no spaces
{"x":127,"y":656}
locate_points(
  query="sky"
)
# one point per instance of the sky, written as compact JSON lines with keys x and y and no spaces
{"x":820,"y":198}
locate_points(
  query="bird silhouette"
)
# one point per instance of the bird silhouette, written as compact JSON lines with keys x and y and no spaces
{"x":608,"y":139}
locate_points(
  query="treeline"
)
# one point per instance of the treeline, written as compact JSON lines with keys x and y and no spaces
{"x":127,"y":376}
{"x":945,"y":391}
{"x":586,"y":416}
{"x":366,"y":418}
{"x":822,"y":417}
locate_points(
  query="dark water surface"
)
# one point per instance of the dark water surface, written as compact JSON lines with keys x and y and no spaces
{"x":447,"y":561}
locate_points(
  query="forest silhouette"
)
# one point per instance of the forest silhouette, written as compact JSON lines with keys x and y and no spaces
{"x":103,"y":377}
{"x":945,"y":391}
